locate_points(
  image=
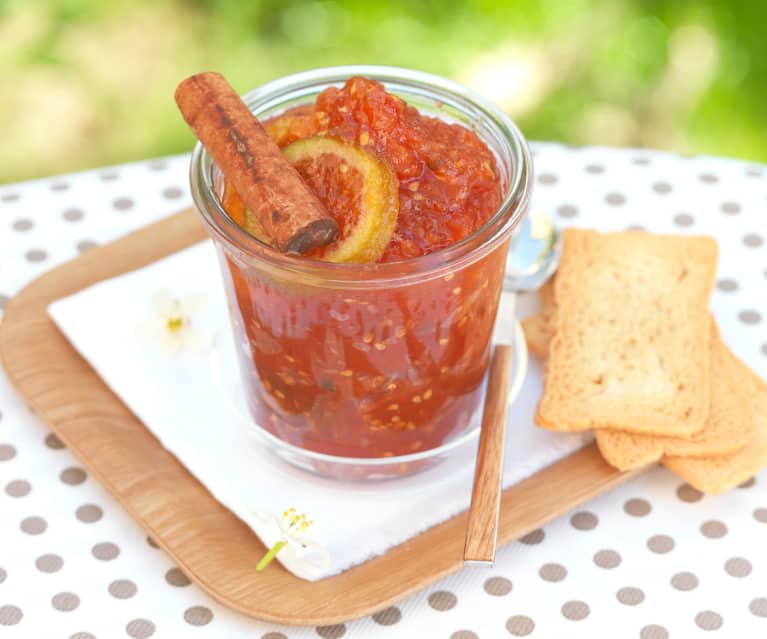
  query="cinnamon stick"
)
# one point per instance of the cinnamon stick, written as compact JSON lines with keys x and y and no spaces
{"x":271,"y":188}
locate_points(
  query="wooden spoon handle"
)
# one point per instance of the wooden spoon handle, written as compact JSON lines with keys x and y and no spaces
{"x":482,"y":530}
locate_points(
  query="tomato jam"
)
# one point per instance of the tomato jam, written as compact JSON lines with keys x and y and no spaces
{"x":366,"y":369}
{"x":448,"y":180}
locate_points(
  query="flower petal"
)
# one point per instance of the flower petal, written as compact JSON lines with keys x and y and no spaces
{"x":193,"y":303}
{"x":162,"y":302}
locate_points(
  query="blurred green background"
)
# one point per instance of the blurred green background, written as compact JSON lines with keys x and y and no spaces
{"x":85,"y":83}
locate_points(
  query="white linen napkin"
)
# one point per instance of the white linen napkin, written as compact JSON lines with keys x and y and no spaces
{"x":178,"y":397}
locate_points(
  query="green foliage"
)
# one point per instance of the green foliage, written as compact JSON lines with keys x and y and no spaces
{"x":87,"y":82}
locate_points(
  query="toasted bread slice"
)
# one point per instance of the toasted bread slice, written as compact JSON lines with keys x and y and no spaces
{"x":631,"y":334}
{"x":718,"y":474}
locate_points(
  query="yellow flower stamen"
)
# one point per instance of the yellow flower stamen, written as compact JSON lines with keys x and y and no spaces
{"x":175,"y":320}
{"x":174,"y":323}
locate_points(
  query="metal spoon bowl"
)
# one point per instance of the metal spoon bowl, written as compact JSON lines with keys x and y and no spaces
{"x":534,"y":253}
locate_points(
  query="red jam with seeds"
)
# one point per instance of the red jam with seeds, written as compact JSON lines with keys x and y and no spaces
{"x":366,"y":370}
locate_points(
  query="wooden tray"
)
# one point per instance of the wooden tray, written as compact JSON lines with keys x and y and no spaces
{"x":214,"y":548}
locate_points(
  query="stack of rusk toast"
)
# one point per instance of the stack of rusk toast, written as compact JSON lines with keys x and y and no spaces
{"x":632,"y":353}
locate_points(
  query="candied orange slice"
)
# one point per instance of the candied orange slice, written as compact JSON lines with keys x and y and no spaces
{"x":294,"y":124}
{"x":358,"y":188}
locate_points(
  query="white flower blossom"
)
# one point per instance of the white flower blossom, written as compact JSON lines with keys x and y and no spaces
{"x":171,"y":324}
{"x":288,"y":534}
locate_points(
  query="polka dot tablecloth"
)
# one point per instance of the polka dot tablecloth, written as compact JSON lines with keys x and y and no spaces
{"x":652,"y":559}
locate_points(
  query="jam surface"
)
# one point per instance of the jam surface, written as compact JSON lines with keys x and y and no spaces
{"x":448,"y":179}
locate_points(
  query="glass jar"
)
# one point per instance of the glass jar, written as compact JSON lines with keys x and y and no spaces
{"x":373,"y":360}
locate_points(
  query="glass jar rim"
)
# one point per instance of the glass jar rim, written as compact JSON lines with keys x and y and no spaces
{"x":436,"y":264}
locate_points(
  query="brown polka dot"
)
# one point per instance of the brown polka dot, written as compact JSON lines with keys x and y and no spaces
{"x":653,"y":631}
{"x":708,"y":178}
{"x":607,"y":559}
{"x":35,"y":255}
{"x":9,"y":197}
{"x":152,"y":542}
{"x":683,"y":219}
{"x":274,"y":635}
{"x":764,"y":348}
{"x":575,"y":610}
{"x":567,"y":211}
{"x":65,"y":601}
{"x":140,"y":629}
{"x":640,"y":161}
{"x":49,"y":563}
{"x":713,"y":529}
{"x":175,"y":577}
{"x":4,"y":299}
{"x":758,"y":607}
{"x":552,"y":572}
{"x":73,"y":215}
{"x":122,"y":203}
{"x":442,"y":600}
{"x":172,"y":193}
{"x":497,"y":586}
{"x":89,"y":513}
{"x":7,"y":452}
{"x":388,"y":617}
{"x":547,"y":178}
{"x":738,"y":567}
{"x":18,"y":488}
{"x":122,"y":589}
{"x":584,"y":520}
{"x":750,"y":317}
{"x":753,"y":240}
{"x":760,"y":514}
{"x":596,"y":169}
{"x":157,"y":165}
{"x":464,"y":634}
{"x":754,"y":172}
{"x":730,"y":207}
{"x":198,"y":616}
{"x":662,"y":187}
{"x":82,"y":635}
{"x":520,"y":625}
{"x":533,"y":538}
{"x":660,"y":544}
{"x":636,"y":227}
{"x":708,"y":620}
{"x":105,"y":551}
{"x":615,"y":199}
{"x":52,"y":441}
{"x":748,"y":483}
{"x":687,"y":493}
{"x":3,"y":575}
{"x":73,"y":476}
{"x":23,"y":224}
{"x":684,"y":581}
{"x":637,"y":507}
{"x":630,"y":596}
{"x":331,"y":632}
{"x":59,"y":186}
{"x":10,"y":615}
{"x":34,"y":525}
{"x":727,"y":285}
{"x":108,"y":176}
{"x":85,"y":245}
